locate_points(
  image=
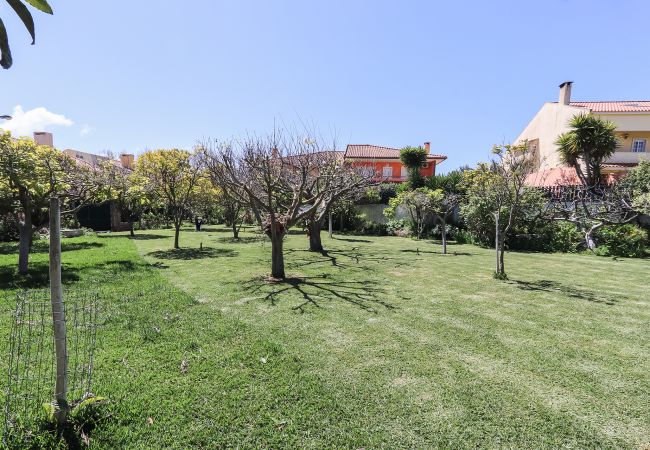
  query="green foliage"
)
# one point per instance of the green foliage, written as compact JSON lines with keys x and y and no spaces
{"x":622,"y":240}
{"x":590,"y":141}
{"x":398,"y":227}
{"x":637,"y":184}
{"x":420,"y":203}
{"x":26,"y":17}
{"x":566,"y":237}
{"x":414,"y":158}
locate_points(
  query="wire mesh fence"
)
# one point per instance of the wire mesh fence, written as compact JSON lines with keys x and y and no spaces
{"x":31,"y":371}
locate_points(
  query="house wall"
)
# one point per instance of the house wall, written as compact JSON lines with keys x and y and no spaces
{"x":551,"y":121}
{"x":399,"y":171}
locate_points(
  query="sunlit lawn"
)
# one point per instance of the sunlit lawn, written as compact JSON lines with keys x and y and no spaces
{"x":381,"y":342}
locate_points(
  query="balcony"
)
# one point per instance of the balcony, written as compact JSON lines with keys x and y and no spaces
{"x":627,"y":157}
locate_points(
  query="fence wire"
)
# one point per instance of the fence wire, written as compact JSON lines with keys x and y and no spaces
{"x":31,"y":371}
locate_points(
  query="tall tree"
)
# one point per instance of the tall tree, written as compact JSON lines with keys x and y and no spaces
{"x":25,"y":16}
{"x":414,"y":158}
{"x":276,"y":177}
{"x":590,"y":141}
{"x":502,"y":184}
{"x":171,"y":177}
{"x":30,"y":175}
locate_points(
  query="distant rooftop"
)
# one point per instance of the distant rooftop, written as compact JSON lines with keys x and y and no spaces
{"x":376,"y":151}
{"x":615,"y":106}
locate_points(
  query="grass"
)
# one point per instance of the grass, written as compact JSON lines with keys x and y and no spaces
{"x":379,"y":342}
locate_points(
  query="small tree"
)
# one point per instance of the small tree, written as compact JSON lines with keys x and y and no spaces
{"x":414,"y":158}
{"x":171,"y":177}
{"x":30,"y":175}
{"x":276,"y":177}
{"x":501,"y":184}
{"x":420,"y":203}
{"x":590,"y":141}
{"x":339,"y":181}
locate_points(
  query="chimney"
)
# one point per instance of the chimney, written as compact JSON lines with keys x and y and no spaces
{"x":427,"y":147}
{"x":44,"y":138}
{"x":565,"y":93}
{"x":126,"y":159}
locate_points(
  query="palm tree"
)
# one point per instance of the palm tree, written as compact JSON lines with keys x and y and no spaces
{"x":23,"y":12}
{"x":590,"y":141}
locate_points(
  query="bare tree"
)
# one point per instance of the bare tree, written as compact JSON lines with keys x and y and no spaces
{"x":339,"y":180}
{"x":592,"y":207}
{"x":277,"y":176}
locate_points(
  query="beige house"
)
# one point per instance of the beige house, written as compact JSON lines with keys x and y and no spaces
{"x":632,"y":119}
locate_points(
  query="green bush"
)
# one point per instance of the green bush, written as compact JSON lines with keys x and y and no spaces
{"x":566,"y":238}
{"x":398,"y":227}
{"x":622,"y":240}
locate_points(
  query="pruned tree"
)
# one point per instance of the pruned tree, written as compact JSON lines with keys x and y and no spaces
{"x":278,"y":175}
{"x":25,"y":16}
{"x":339,"y":180}
{"x":414,"y":158}
{"x":590,"y":208}
{"x":590,"y":141}
{"x":451,"y":193}
{"x":30,"y":175}
{"x":420,"y":203}
{"x":171,"y":177}
{"x":233,"y":212}
{"x":502,"y":184}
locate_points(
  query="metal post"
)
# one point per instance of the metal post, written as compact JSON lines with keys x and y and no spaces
{"x":58,"y":312}
{"x":330,"y":223}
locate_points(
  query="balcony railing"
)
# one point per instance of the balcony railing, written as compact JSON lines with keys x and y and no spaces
{"x":627,"y":157}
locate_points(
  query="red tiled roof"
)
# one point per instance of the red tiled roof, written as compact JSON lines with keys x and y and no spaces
{"x":617,"y":106}
{"x":563,"y":176}
{"x":376,"y":151}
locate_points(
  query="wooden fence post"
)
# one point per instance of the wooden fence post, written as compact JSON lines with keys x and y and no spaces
{"x":330,"y":223}
{"x":58,"y":312}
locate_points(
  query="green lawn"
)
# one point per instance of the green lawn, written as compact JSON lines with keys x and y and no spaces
{"x":382,"y":342}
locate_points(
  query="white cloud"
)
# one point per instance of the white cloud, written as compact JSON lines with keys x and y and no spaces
{"x":24,"y":123}
{"x":85,"y":130}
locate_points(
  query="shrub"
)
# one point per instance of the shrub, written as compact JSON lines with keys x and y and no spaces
{"x":622,"y":240}
{"x":8,"y":229}
{"x":398,"y":227}
{"x":566,"y":238}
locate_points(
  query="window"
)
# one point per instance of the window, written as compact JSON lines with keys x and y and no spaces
{"x":638,"y":145}
{"x":425,"y":165}
{"x":387,"y":171}
{"x":405,"y":172}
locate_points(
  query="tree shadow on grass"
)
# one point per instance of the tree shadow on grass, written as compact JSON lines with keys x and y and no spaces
{"x":192,"y":253}
{"x":569,"y":291}
{"x":136,"y":237}
{"x":38,"y":275}
{"x":366,"y":241}
{"x":342,"y":259}
{"x":241,"y":240}
{"x":433,"y":252}
{"x":317,"y":289}
{"x":10,"y":248}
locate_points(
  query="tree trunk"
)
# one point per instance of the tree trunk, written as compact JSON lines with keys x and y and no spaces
{"x":501,"y":253}
{"x":315,"y":244}
{"x":329,"y":224}
{"x":58,"y":313}
{"x":235,"y":231}
{"x":131,"y":231}
{"x":496,"y":244}
{"x":277,"y":257}
{"x":24,"y":244}
{"x":444,"y":236}
{"x":177,"y":231}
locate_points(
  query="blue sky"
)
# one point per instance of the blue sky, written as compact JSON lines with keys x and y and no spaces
{"x":463,"y":75}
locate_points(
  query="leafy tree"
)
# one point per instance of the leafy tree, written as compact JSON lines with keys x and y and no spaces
{"x":590,"y":141}
{"x":171,"y":177}
{"x":26,"y":17}
{"x":414,"y":158}
{"x":420,"y":203}
{"x":451,"y":188}
{"x":637,"y":183}
{"x":500,"y":187}
{"x":29,"y":175}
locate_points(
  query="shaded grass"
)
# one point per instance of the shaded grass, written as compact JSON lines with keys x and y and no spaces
{"x":375,"y":343}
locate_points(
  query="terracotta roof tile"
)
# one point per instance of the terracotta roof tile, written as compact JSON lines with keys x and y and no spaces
{"x":616,"y":106}
{"x":376,"y":151}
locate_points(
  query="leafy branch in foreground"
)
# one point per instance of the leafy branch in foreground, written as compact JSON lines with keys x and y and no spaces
{"x":25,"y":16}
